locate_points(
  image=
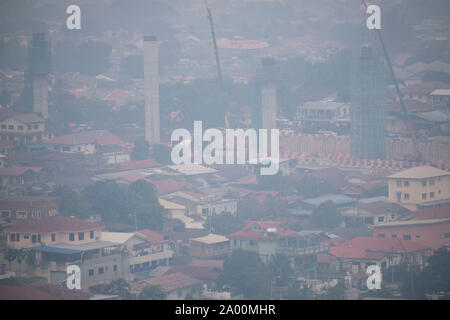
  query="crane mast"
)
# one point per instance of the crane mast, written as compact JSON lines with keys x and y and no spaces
{"x":399,"y":94}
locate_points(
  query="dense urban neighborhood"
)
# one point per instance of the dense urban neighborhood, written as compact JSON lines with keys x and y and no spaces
{"x":87,"y":177}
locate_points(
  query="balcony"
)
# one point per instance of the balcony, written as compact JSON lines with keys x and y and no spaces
{"x":293,"y":252}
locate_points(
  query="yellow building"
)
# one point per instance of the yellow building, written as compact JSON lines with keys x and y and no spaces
{"x":422,"y":186}
{"x":21,"y":128}
{"x":50,"y":231}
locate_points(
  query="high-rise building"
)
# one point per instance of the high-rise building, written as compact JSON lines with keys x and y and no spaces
{"x":368,"y":106}
{"x":151,"y":87}
{"x":264,"y":113}
{"x":36,"y":75}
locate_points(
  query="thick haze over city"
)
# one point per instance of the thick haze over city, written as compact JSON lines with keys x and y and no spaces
{"x":224,"y":150}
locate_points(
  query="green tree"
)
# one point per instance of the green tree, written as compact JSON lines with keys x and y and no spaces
{"x":112,"y":201}
{"x":152,"y":292}
{"x":119,"y":287}
{"x":161,"y":153}
{"x":141,"y":149}
{"x":248,"y":209}
{"x":297,"y":292}
{"x":434,"y":278}
{"x":326,"y":215}
{"x":337,"y":292}
{"x":224,"y":223}
{"x":71,"y":203}
{"x":247,"y":274}
{"x":280,"y":270}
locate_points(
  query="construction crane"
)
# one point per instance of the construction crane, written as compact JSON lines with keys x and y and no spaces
{"x":216,"y":54}
{"x":416,"y":156}
{"x":213,"y":34}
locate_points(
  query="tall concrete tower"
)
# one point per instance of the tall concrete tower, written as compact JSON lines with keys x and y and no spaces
{"x":151,"y":87}
{"x":368,"y":106}
{"x":36,"y":78}
{"x":265,"y":95}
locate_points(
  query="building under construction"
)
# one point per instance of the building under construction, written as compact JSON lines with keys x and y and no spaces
{"x":36,"y":75}
{"x":368,"y":106}
{"x":264,"y":110}
{"x":151,"y":87}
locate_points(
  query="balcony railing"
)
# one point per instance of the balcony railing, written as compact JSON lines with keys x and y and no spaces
{"x":290,"y":251}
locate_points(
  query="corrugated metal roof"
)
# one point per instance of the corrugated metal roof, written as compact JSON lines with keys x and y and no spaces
{"x":337,"y":199}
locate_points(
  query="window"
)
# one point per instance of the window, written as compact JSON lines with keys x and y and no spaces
{"x":71,"y":236}
{"x":66,"y":148}
{"x":26,"y":236}
{"x":406,"y":183}
{"x":91,"y":272}
{"x":21,"y":215}
{"x":406,"y":237}
{"x":4,"y":126}
{"x":431,"y":195}
{"x":399,"y":183}
{"x":394,"y":235}
{"x":424,"y":183}
{"x":91,"y":234}
{"x":101,"y":270}
{"x":17,"y":236}
{"x":53,"y":237}
{"x":11,"y":127}
{"x":424,"y":196}
{"x":12,"y":237}
{"x":406,"y":196}
{"x":36,"y":126}
{"x":447,"y":235}
{"x":33,"y":238}
{"x":80,"y":235}
{"x":432,"y":182}
{"x":381,"y":235}
{"x":20,"y":128}
{"x":418,"y":236}
{"x":380,"y":219}
{"x":5,"y":213}
{"x":115,"y":268}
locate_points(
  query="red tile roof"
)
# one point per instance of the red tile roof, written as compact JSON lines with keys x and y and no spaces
{"x":207,"y":263}
{"x":17,"y":171}
{"x":262,"y":224}
{"x":134,"y":177}
{"x":52,"y":224}
{"x":100,"y":137}
{"x":371,"y":247}
{"x":153,"y":236}
{"x":250,"y":180}
{"x":40,"y":292}
{"x":169,"y":186}
{"x":322,"y":258}
{"x":117,"y":94}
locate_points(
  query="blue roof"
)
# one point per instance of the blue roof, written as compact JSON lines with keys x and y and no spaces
{"x":55,"y":250}
{"x":337,"y":199}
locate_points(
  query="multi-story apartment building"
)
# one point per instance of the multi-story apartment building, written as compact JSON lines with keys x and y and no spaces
{"x":267,"y":239}
{"x":51,"y":230}
{"x":420,"y":187}
{"x":21,"y":129}
{"x":30,"y":207}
